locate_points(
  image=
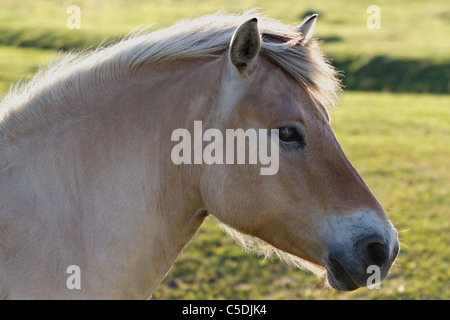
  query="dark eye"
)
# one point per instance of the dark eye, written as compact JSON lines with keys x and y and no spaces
{"x":292,"y":136}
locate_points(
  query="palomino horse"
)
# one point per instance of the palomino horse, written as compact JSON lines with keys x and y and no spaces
{"x":86,"y":177}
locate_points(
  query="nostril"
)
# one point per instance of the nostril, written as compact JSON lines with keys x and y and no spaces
{"x":377,"y":253}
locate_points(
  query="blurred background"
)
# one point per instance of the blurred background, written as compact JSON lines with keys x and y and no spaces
{"x":393,"y":122}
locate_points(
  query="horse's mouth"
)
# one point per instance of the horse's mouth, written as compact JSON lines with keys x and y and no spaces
{"x":338,"y":278}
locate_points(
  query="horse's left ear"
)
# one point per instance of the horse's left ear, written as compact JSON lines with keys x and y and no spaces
{"x":307,"y":28}
{"x":245,"y":45}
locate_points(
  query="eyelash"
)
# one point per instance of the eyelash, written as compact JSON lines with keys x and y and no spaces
{"x":291,"y":137}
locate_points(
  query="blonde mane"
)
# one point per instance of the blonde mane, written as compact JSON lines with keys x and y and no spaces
{"x":201,"y":38}
{"x":262,"y":248}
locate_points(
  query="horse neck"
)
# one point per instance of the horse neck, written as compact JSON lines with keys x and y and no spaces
{"x":107,"y":166}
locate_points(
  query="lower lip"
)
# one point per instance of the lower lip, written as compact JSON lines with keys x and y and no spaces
{"x":346,"y":284}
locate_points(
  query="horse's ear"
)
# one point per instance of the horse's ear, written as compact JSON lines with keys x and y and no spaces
{"x":307,"y":28}
{"x":245,"y":45}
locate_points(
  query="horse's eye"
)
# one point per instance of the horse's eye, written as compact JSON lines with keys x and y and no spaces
{"x":291,"y":136}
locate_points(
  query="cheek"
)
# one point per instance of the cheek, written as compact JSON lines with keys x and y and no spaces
{"x":240,"y":196}
{"x":293,"y":174}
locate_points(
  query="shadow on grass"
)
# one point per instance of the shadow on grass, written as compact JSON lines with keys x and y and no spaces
{"x":382,"y":73}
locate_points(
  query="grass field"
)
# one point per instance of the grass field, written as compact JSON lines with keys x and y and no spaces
{"x":404,"y":24}
{"x":398,"y":142}
{"x":411,"y":50}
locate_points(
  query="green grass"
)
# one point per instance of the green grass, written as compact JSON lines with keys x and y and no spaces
{"x":20,"y":64}
{"x":412,"y":29}
{"x":399,"y":143}
{"x":410,"y":53}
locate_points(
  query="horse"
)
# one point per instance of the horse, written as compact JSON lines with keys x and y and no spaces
{"x":91,"y":205}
